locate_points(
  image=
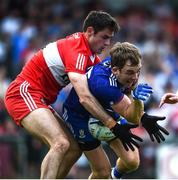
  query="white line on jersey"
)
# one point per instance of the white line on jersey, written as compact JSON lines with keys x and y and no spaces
{"x":80,"y":61}
{"x":113,"y":80}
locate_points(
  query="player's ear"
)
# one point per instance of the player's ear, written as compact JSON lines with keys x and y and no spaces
{"x":115,"y":70}
{"x":90,"y":31}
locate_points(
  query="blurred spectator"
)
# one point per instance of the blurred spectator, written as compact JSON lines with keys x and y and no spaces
{"x":28,"y":52}
{"x":11,"y":23}
{"x":4,"y":81}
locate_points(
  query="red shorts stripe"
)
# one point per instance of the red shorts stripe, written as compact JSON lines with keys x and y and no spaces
{"x":26,"y":96}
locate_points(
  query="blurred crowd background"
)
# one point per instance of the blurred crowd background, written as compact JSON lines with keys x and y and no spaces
{"x":152,"y":25}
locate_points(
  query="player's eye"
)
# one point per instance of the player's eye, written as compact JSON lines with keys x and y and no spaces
{"x":105,"y":37}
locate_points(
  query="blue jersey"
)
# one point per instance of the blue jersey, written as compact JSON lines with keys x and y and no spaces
{"x":103,"y":85}
{"x":107,"y":90}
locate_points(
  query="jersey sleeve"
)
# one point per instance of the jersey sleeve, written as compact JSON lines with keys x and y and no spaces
{"x":76,"y":61}
{"x":76,"y":55}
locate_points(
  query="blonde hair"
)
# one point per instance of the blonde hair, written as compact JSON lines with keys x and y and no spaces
{"x":122,"y":52}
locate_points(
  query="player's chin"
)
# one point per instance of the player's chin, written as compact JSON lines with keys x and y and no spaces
{"x":128,"y":85}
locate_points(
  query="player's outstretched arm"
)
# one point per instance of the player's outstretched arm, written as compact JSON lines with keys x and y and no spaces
{"x":169,"y":98}
{"x":155,"y":131}
{"x":130,"y":109}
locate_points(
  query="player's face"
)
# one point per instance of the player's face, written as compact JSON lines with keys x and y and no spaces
{"x":99,"y":41}
{"x":128,"y":75}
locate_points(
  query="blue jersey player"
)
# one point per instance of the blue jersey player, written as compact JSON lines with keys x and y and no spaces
{"x":110,"y":81}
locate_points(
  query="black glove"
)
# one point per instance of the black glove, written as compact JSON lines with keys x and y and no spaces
{"x":122,"y":131}
{"x":154,"y":130}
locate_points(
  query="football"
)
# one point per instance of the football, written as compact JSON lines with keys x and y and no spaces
{"x":99,"y":131}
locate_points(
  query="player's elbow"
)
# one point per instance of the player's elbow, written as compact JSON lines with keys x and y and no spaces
{"x":85,"y":99}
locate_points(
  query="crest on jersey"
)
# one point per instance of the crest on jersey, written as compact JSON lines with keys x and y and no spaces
{"x":76,"y":36}
{"x":82,"y":133}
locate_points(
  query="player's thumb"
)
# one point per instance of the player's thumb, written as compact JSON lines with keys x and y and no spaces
{"x":161,"y":104}
{"x":161,"y":118}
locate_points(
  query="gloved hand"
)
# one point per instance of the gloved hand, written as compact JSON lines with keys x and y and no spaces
{"x":142,"y":92}
{"x":125,"y":135}
{"x":154,"y":130}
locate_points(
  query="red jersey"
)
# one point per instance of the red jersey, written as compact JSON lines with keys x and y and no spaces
{"x":47,"y":70}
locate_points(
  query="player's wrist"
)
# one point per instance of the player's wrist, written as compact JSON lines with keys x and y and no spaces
{"x":144,"y":118}
{"x":111,"y":123}
{"x":116,"y":129}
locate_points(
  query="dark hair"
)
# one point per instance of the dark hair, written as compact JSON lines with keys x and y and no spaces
{"x":122,"y":52}
{"x":100,"y":20}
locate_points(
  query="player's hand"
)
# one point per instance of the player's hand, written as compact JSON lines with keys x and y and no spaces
{"x":142,"y":92}
{"x":169,"y":98}
{"x":125,"y":135}
{"x":154,"y":130}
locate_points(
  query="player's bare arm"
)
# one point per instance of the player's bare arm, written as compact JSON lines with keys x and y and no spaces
{"x":79,"y":81}
{"x":132,"y":110}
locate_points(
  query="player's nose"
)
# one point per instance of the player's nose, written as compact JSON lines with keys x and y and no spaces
{"x":107,"y":42}
{"x":135,"y":76}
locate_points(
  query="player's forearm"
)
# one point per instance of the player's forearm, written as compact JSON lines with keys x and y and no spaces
{"x":93,"y":106}
{"x":135,"y":111}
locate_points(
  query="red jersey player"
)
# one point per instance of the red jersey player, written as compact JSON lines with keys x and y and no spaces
{"x":37,"y":86}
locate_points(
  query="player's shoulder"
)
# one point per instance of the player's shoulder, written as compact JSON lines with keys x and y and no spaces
{"x":78,"y":42}
{"x":76,"y":39}
{"x":103,"y":68}
{"x":74,"y":36}
{"x":107,"y":60}
{"x":101,"y":76}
